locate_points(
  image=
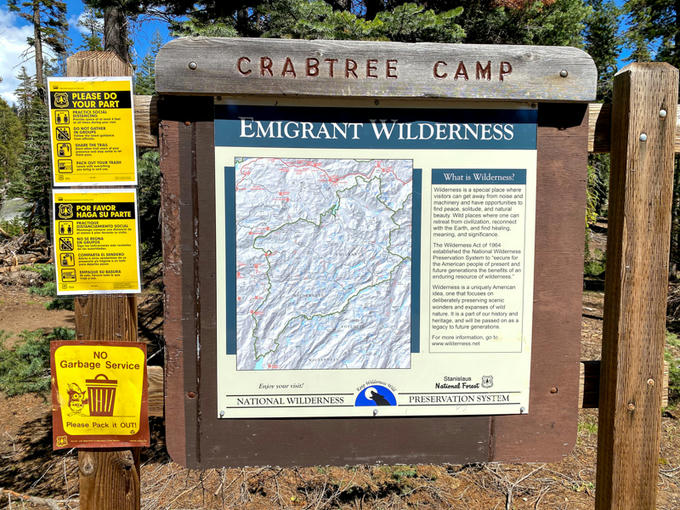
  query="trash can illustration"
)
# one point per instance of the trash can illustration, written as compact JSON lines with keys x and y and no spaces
{"x":101,"y":392}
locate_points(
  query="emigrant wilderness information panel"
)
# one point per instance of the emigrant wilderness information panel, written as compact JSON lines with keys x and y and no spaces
{"x":374,"y":261}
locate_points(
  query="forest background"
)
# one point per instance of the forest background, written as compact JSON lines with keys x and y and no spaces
{"x":612,"y":32}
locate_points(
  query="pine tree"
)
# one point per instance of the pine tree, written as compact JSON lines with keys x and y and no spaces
{"x":25,"y":93}
{"x":35,"y":177}
{"x":654,"y":29}
{"x":92,"y":20}
{"x":603,"y":43}
{"x":48,"y":18}
{"x":145,"y":78}
{"x":11,"y":139}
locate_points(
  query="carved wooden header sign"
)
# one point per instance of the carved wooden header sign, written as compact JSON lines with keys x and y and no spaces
{"x":374,"y":265}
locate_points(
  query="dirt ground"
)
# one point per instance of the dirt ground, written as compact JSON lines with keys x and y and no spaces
{"x":29,"y":467}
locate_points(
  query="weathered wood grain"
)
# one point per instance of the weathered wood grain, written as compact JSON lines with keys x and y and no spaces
{"x":599,"y":125}
{"x":589,"y":385}
{"x":156,"y":390}
{"x":216,"y":66}
{"x":146,"y":121}
{"x":641,"y":183}
{"x":109,"y":479}
{"x":548,"y":431}
{"x":181,"y":256}
{"x":97,"y":63}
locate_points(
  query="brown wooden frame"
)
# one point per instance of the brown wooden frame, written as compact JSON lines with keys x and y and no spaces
{"x":196,"y":438}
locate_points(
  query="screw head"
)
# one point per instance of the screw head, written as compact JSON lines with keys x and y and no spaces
{"x":221,"y":414}
{"x":553,"y":389}
{"x":650,"y":382}
{"x":375,"y":412}
{"x":631,"y":406}
{"x":522,"y":410}
{"x":193,"y":65}
{"x":564,"y":73}
{"x":643,"y":137}
{"x":191,"y":394}
{"x":663,"y":113}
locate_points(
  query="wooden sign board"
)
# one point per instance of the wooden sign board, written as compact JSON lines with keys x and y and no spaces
{"x":210,"y":141}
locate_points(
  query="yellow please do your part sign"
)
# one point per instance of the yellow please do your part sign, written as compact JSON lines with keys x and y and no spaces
{"x":92,"y":131}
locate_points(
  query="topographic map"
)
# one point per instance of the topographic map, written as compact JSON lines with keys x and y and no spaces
{"x":323,"y":249}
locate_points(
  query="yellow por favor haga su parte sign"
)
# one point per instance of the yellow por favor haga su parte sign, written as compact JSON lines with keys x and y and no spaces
{"x":92,"y":131}
{"x":96,"y":245}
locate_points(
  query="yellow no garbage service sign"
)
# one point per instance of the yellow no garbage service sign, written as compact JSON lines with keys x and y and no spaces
{"x":99,"y":393}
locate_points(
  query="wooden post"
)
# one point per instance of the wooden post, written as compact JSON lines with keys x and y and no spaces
{"x":642,"y":150}
{"x":109,"y":478}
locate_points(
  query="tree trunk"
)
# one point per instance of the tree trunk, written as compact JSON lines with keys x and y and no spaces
{"x":37,"y":46}
{"x":115,"y":32}
{"x":341,"y":5}
{"x":372,"y":7}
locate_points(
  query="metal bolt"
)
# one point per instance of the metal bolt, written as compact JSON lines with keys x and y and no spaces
{"x":191,"y":394}
{"x":522,"y":410}
{"x":193,"y":65}
{"x":221,"y":414}
{"x":631,"y":406}
{"x":663,"y":113}
{"x":553,"y":389}
{"x":375,"y":412}
{"x":643,"y":137}
{"x":650,"y":382}
{"x":564,"y":73}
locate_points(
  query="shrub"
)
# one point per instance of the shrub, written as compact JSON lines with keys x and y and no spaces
{"x":26,"y":367}
{"x":49,"y":288}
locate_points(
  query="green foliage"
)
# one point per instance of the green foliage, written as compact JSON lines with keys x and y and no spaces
{"x":598,"y":182}
{"x":25,"y":368}
{"x":33,"y":183}
{"x":603,"y":43}
{"x":53,"y":20}
{"x":91,"y":20}
{"x":560,"y":23}
{"x":595,"y":264}
{"x":45,"y":271}
{"x":50,"y":28}
{"x":149,"y":175}
{"x":14,"y":227}
{"x":25,"y":93}
{"x":672,"y":356}
{"x":399,"y":473}
{"x":316,"y":19}
{"x":145,"y":78}
{"x":412,"y":23}
{"x":653,"y":30}
{"x":214,"y":28}
{"x":48,"y":288}
{"x":591,"y":196}
{"x":11,"y":140}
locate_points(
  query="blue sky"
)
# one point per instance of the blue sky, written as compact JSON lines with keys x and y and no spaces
{"x":14,"y":30}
